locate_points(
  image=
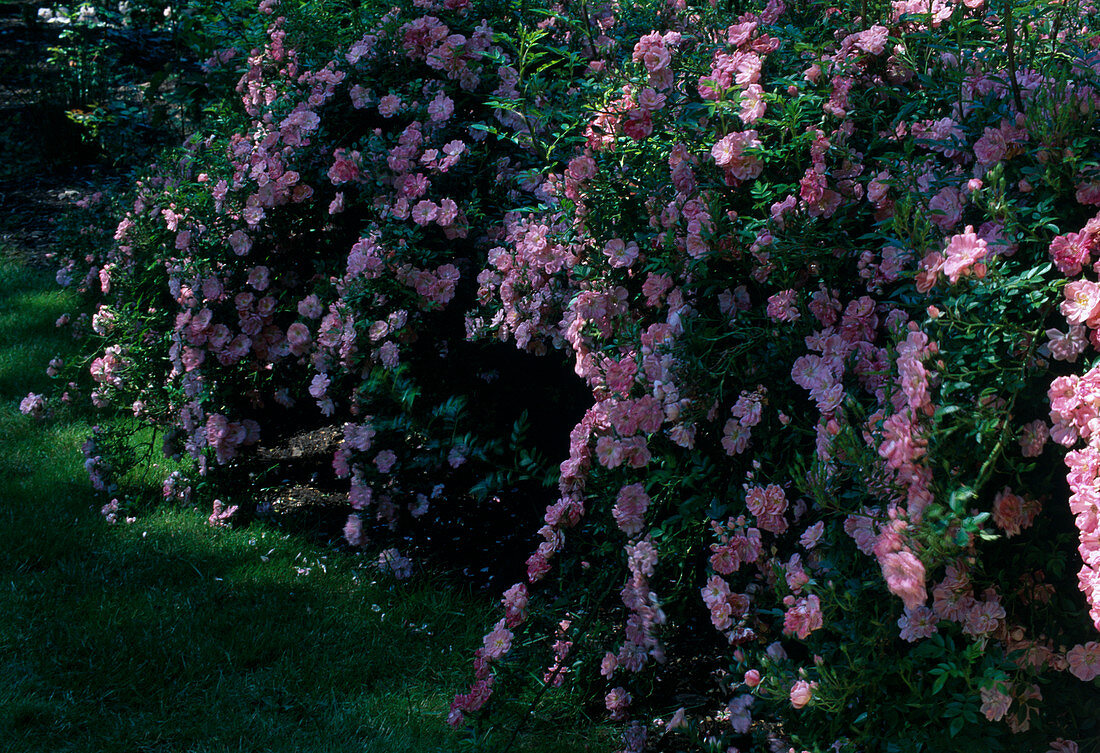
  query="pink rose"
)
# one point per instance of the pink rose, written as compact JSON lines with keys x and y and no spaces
{"x":801,"y":693}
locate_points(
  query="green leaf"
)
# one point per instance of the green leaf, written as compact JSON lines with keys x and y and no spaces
{"x":956,"y":726}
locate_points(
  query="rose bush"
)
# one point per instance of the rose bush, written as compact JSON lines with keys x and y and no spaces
{"x":826,"y":276}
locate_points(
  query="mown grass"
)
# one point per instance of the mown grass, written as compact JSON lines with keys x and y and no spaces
{"x":169,"y":635}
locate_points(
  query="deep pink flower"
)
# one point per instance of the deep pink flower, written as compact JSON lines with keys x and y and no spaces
{"x":1012,"y":513}
{"x":782,"y":307}
{"x":803,"y":617}
{"x":1070,"y":252}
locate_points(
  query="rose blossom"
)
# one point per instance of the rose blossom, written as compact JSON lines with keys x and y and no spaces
{"x":801,"y":693}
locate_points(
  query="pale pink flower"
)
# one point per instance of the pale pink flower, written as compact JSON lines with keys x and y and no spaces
{"x":651,"y":52}
{"x":33,"y":405}
{"x":515,"y":604}
{"x":873,"y":40}
{"x":917,"y":623}
{"x":740,"y":717}
{"x":715,"y":591}
{"x":389,"y":354}
{"x":609,"y":451}
{"x":259,"y":278}
{"x":1033,"y":437}
{"x":735,"y":437}
{"x":878,"y":189}
{"x":617,"y":702}
{"x":1082,"y":303}
{"x":795,"y":574}
{"x":359,"y":96}
{"x":609,"y":664}
{"x":677,"y":721}
{"x":620,"y":254}
{"x":498,"y":642}
{"x":983,"y":617}
{"x":946,"y":208}
{"x":768,"y":505}
{"x":650,"y":101}
{"x":963,"y":252}
{"x":904,"y":575}
{"x":991,"y":147}
{"x":729,"y":153}
{"x":642,"y":558}
{"x":240,"y":242}
{"x":1067,"y":346}
{"x":812,"y":535}
{"x":353,"y":531}
{"x":630,"y":507}
{"x":441,"y":108}
{"x":395,"y":562}
{"x":424,"y":212}
{"x":447,"y":214}
{"x":801,"y":693}
{"x":298,"y":338}
{"x":345,"y":166}
{"x":385,"y":460}
{"x":1084,"y":661}
{"x":1088,"y":193}
{"x":319,"y":386}
{"x":1069,"y":252}
{"x":995,"y":703}
{"x":389,"y":105}
{"x":221,"y":514}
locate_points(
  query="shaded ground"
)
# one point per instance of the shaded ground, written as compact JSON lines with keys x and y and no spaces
{"x":46,"y":162}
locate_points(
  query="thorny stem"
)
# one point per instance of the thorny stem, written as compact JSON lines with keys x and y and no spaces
{"x":1010,"y":49}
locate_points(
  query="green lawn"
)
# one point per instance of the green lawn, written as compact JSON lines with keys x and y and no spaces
{"x":169,"y":635}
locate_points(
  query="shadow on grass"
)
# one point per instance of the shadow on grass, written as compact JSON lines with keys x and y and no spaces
{"x":169,"y":635}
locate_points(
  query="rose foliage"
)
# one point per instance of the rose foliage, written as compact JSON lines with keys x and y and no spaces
{"x":827,"y":277}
